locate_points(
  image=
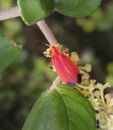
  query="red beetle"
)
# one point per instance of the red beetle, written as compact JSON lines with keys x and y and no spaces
{"x":66,"y":69}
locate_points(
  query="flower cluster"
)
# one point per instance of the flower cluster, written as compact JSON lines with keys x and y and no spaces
{"x":99,"y":97}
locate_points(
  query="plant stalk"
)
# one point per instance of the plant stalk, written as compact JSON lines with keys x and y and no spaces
{"x":47,"y":32}
{"x":9,"y":13}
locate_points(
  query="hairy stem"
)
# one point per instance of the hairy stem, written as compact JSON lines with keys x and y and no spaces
{"x":47,"y":32}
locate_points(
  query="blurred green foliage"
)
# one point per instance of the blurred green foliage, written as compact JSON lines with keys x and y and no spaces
{"x":6,"y":4}
{"x":8,"y":53}
{"x":24,"y":80}
{"x":109,"y":77}
{"x":10,"y":29}
{"x":101,"y":19}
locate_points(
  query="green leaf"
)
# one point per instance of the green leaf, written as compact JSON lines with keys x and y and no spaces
{"x":77,"y":8}
{"x":8,"y":53}
{"x":61,"y":108}
{"x":33,"y":11}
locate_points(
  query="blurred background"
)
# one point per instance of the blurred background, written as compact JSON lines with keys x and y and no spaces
{"x":29,"y":75}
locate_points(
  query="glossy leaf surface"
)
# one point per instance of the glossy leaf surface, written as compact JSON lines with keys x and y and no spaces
{"x":77,"y":8}
{"x":61,"y":108}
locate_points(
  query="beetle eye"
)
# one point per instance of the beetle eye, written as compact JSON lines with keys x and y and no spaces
{"x":79,"y":78}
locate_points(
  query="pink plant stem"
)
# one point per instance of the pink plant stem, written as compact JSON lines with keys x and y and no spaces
{"x":47,"y":32}
{"x":10,"y":13}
